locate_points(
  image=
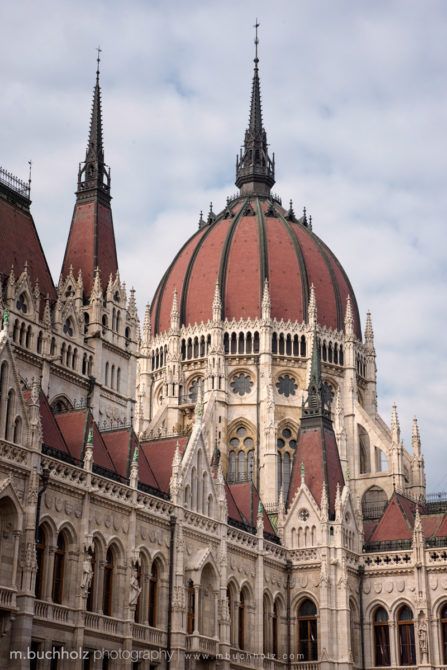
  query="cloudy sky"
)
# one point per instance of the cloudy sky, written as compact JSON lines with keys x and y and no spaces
{"x":355,"y":105}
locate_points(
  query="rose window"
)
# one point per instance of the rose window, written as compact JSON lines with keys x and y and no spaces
{"x":241,"y":384}
{"x":286,"y":385}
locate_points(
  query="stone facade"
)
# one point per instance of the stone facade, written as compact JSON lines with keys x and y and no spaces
{"x":152,"y":511}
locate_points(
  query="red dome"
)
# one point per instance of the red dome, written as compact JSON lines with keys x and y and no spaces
{"x":254,"y":239}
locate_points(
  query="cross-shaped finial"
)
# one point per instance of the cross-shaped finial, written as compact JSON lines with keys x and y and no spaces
{"x":30,"y":163}
{"x":256,"y":26}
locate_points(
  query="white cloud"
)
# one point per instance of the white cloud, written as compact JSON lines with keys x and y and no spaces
{"x":355,"y":108}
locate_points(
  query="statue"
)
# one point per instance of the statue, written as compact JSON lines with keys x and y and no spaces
{"x":422,"y":634}
{"x":135,"y":588}
{"x":87,"y":573}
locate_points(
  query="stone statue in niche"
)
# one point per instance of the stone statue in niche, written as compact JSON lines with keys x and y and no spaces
{"x":135,"y":588}
{"x":87,"y":573}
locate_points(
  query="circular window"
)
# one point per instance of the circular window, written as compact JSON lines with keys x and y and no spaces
{"x":286,"y":439}
{"x":21,"y":303}
{"x":286,"y":385}
{"x":303,"y":514}
{"x":241,"y":432}
{"x":241,"y":384}
{"x":68,"y":328}
{"x":248,"y":443}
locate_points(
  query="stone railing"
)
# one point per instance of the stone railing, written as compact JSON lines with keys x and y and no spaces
{"x":103,"y":624}
{"x":152,"y":636}
{"x":7,"y":598}
{"x":274,"y":664}
{"x":199,"y":644}
{"x":53,"y":612}
{"x":305,"y":665}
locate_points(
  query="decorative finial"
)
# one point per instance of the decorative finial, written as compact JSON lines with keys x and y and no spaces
{"x":256,"y":26}
{"x":201,"y":220}
{"x":98,"y":60}
{"x":90,"y":437}
{"x":302,"y":472}
{"x":309,"y":225}
{"x":136,"y":454}
{"x":305,"y":217}
{"x":30,"y":163}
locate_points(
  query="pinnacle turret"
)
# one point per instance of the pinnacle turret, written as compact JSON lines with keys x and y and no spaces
{"x":255,"y":170}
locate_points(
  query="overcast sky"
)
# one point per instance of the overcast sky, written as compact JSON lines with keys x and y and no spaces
{"x":355,"y":106}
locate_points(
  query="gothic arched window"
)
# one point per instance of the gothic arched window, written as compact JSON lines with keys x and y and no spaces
{"x":286,"y":446}
{"x":241,"y":627}
{"x":41,"y":550}
{"x":381,"y":638}
{"x":407,"y":646}
{"x":190,"y":607}
{"x":59,"y":568}
{"x":22,"y":303}
{"x":109,"y":573}
{"x":241,"y":454}
{"x":307,"y":631}
{"x":153,"y":595}
{"x":444,"y":633}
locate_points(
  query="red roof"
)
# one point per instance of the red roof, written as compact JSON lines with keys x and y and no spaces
{"x":91,"y":243}
{"x":159,"y":454}
{"x":75,"y":426}
{"x":317,"y":450}
{"x":20,"y":244}
{"x":241,"y":251}
{"x":243,"y":502}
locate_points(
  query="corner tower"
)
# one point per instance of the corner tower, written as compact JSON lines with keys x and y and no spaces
{"x":91,"y":241}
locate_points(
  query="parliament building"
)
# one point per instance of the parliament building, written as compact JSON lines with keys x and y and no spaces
{"x":211,"y":486}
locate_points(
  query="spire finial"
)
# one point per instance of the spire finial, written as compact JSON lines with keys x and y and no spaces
{"x":255,"y":170}
{"x":256,"y":26}
{"x":98,"y":60}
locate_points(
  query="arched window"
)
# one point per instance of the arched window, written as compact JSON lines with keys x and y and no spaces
{"x":407,"y":647}
{"x":74,"y":362}
{"x":364,"y":450}
{"x":307,"y":631}
{"x":106,"y":378}
{"x":444,"y":633}
{"x":28,"y":337}
{"x":17,"y":430}
{"x":153,"y":595}
{"x":10,"y":407}
{"x":241,"y":453}
{"x":22,"y":334}
{"x":112,"y":377}
{"x":190,"y":607}
{"x":8,"y":540}
{"x":381,"y":638}
{"x":266,"y":623}
{"x":39,"y":342}
{"x":232,"y":466}
{"x":109,"y":572}
{"x":118,"y":379}
{"x":41,"y":548}
{"x":241,"y":627}
{"x":58,"y":569}
{"x":231,"y":599}
{"x":286,"y":447}
{"x":275,"y":629}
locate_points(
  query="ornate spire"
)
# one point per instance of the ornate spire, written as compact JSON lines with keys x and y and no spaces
{"x":416,"y":438}
{"x":266,"y":302}
{"x":93,"y":174}
{"x":217,"y":303}
{"x":312,"y":307}
{"x":395,"y":426}
{"x":369,"y":333}
{"x":175,"y":317}
{"x":255,"y":170}
{"x":349,"y":319}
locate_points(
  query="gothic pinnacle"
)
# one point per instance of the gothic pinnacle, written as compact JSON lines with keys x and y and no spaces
{"x":312,"y":307}
{"x":349,"y":319}
{"x":416,"y":438}
{"x":395,"y":427}
{"x":175,"y":319}
{"x":217,"y":303}
{"x":266,"y":302}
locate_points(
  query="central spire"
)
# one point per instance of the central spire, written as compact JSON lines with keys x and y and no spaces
{"x":93,"y":174}
{"x":255,"y":170}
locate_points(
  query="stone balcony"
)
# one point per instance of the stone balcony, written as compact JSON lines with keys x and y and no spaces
{"x":7,"y":598}
{"x":148,"y":635}
{"x":54,"y":613}
{"x":199,"y":644}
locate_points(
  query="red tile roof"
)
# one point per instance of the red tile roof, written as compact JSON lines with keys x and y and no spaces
{"x":91,"y":243}
{"x":317,"y":450}
{"x":240,"y":252}
{"x":159,"y":454}
{"x":243,"y":501}
{"x":20,"y":244}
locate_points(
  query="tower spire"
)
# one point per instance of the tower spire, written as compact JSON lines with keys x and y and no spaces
{"x":255,"y":170}
{"x":93,"y":173}
{"x":91,"y":240}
